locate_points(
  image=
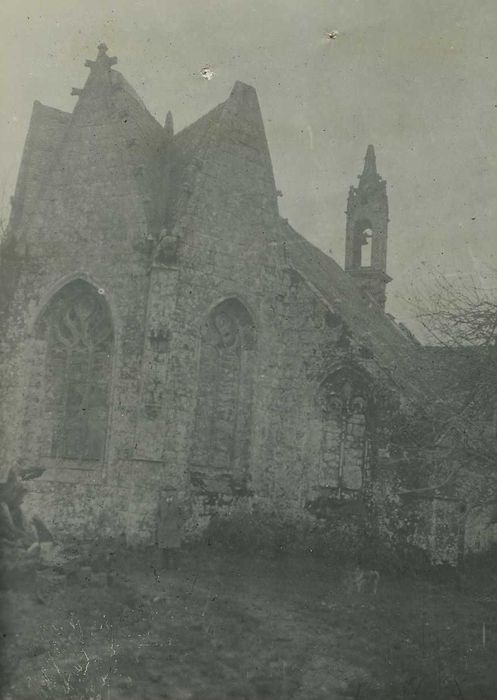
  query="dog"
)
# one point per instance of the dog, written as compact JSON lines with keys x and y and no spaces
{"x":366,"y":580}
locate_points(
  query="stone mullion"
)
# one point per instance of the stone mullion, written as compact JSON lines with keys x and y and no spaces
{"x":243,"y":417}
{"x":365,"y":455}
{"x":227,"y":390}
{"x":341,"y":459}
{"x":61,"y":420}
{"x":85,"y":403}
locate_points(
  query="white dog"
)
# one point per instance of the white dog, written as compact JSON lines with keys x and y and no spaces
{"x":366,"y":580}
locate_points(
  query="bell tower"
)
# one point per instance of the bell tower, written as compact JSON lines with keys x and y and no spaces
{"x":366,"y":232}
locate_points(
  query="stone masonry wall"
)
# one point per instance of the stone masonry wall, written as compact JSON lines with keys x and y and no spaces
{"x":225,"y":251}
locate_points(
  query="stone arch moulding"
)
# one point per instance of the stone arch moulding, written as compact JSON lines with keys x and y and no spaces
{"x":61,"y":282}
{"x":72,"y":385}
{"x":354,"y":375}
{"x":222,"y":434}
{"x":231,"y":297}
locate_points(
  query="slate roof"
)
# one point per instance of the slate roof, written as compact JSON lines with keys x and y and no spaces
{"x":186,"y":153}
{"x":195,"y":151}
{"x":396,"y":352}
{"x":225,"y":149}
{"x":109,"y":140}
{"x":47,"y":129}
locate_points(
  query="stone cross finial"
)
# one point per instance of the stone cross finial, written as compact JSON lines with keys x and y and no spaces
{"x":102,"y":58}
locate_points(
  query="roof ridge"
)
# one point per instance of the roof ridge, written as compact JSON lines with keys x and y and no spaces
{"x":131,"y":92}
{"x":38,"y":103}
{"x":394,"y":351}
{"x":204,"y":117}
{"x":38,"y":115}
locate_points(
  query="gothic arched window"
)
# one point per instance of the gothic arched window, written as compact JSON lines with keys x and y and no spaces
{"x":79,"y":340}
{"x":224,"y":395}
{"x":344,"y":442}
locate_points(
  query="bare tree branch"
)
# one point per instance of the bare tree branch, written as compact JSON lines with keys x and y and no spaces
{"x":460,"y":315}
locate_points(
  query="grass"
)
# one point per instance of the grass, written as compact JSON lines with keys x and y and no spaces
{"x":225,"y":626}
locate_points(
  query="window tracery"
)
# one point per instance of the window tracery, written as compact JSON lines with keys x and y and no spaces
{"x":79,"y":339}
{"x":344,"y":443}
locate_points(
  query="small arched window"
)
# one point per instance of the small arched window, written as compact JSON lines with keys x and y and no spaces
{"x":363,"y":243}
{"x":79,"y":340}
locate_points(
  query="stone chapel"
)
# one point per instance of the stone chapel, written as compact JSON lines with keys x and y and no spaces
{"x":166,"y":331}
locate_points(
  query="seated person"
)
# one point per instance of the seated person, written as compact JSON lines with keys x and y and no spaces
{"x":16,"y":529}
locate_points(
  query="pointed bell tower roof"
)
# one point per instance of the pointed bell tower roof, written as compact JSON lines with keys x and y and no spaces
{"x":369,"y":175}
{"x":367,"y":231}
{"x":370,"y":162}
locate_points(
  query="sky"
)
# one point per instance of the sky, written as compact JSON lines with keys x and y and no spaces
{"x":416,"y":78}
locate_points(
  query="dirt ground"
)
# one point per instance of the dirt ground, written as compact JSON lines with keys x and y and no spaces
{"x":218,"y":626}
